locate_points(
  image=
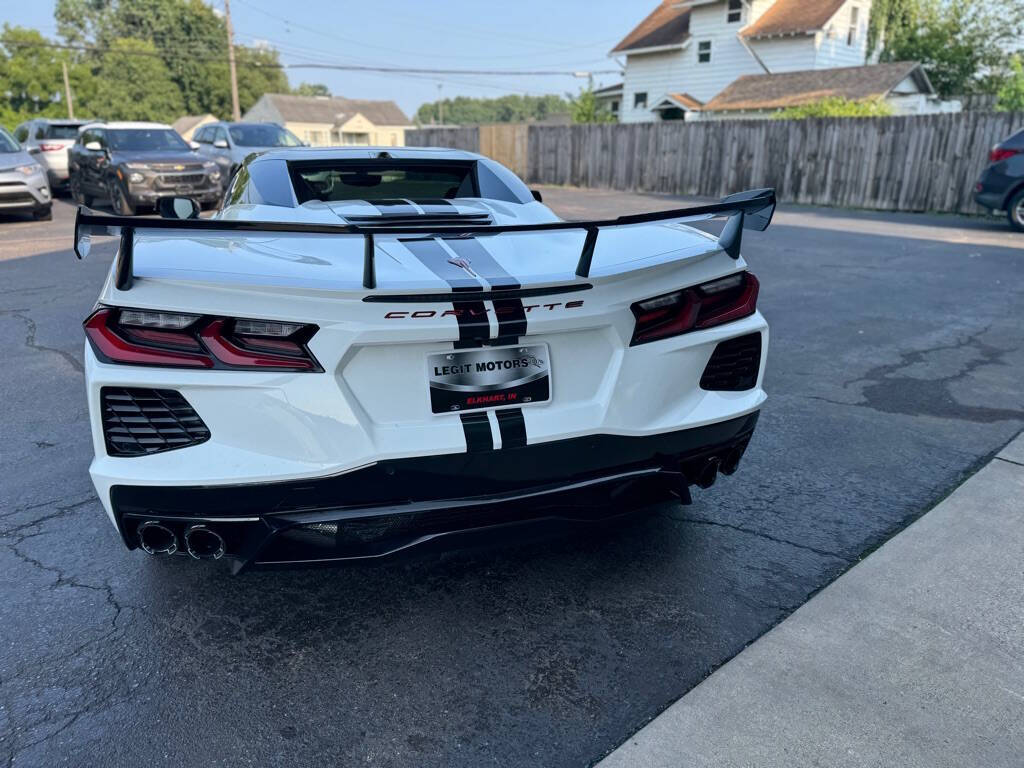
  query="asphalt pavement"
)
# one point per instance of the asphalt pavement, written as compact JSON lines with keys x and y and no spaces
{"x":897,"y":353}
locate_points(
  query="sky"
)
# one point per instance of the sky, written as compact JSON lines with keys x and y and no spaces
{"x":562,"y":35}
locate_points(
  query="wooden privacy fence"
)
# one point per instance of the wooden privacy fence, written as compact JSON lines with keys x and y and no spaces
{"x":926,"y":163}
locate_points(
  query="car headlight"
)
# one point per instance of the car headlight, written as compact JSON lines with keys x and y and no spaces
{"x":136,"y":178}
{"x":215,"y":176}
{"x":28,"y":170}
{"x":209,"y":166}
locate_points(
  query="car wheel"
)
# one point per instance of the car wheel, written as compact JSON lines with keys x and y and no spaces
{"x":120,"y":202}
{"x":43,"y":214}
{"x":78,"y":195}
{"x":1015,"y":211}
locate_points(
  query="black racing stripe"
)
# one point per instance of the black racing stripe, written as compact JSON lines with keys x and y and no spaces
{"x":474,"y":325}
{"x":511,"y":321}
{"x":512,"y":427}
{"x":433,"y":255}
{"x":481,"y":261}
{"x":478,"y":432}
{"x":394,"y":207}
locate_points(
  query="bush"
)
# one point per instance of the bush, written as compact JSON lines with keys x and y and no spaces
{"x":836,"y":107}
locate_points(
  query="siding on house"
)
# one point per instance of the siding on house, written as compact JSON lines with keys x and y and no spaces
{"x":678,"y":70}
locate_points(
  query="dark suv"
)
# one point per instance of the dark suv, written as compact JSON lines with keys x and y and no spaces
{"x":132,"y":165}
{"x":1001,"y":186}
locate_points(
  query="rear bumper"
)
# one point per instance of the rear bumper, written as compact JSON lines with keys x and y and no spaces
{"x":395,"y":505}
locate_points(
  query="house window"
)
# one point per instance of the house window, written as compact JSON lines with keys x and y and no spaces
{"x":851,"y":35}
{"x":704,"y":51}
{"x":613,"y":107}
{"x":640,"y":100}
{"x":734,"y":11}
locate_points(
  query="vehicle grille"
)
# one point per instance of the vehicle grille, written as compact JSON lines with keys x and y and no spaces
{"x":164,"y":167}
{"x":423,"y":220}
{"x":183,"y":178}
{"x":734,"y":365}
{"x":142,"y":421}
{"x":17,"y":198}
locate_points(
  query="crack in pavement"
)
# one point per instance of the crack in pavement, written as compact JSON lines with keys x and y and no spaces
{"x":62,"y":511}
{"x":885,"y":392}
{"x":30,"y":340}
{"x":759,"y":534}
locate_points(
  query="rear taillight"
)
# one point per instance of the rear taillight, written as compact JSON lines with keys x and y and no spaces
{"x":998,"y":154}
{"x":143,"y":337}
{"x":702,"y":306}
{"x":51,"y":147}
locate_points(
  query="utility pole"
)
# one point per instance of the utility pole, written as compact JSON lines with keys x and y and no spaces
{"x":440,"y":106}
{"x":67,"y":91}
{"x":236,"y":113}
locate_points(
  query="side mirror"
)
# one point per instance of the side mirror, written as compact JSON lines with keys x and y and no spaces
{"x":193,"y":145}
{"x":93,"y":146}
{"x":537,"y":195}
{"x":221,"y":144}
{"x":178,"y":208}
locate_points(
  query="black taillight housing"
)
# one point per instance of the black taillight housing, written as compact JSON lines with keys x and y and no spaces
{"x":695,"y":308}
{"x":179,"y":340}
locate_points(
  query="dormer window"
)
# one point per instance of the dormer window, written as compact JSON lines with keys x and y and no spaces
{"x":704,"y":52}
{"x":734,"y":11}
{"x":851,"y":35}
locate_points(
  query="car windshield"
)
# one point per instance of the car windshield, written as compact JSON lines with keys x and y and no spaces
{"x":61,"y":130}
{"x":7,"y":142}
{"x":145,"y":139}
{"x":362,"y":181}
{"x":262,"y":136}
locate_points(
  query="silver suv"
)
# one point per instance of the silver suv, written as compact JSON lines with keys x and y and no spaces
{"x":48,"y":141}
{"x":228,"y":144}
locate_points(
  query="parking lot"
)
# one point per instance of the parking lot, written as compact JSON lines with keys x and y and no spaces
{"x":895,"y":369}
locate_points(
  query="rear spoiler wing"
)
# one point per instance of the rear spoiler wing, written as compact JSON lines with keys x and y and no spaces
{"x":752,"y":209}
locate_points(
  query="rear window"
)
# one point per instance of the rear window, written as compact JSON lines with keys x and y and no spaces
{"x":382,"y":181}
{"x":63,"y":131}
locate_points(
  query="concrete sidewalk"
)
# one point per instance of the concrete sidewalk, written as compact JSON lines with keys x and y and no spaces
{"x":915,"y":657}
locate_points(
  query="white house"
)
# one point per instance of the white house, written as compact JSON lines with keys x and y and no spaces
{"x":686,"y":53}
{"x":324,"y":121}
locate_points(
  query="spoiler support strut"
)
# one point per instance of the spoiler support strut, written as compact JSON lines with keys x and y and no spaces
{"x":746,"y":210}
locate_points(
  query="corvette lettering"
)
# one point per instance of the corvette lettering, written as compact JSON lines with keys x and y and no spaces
{"x":423,"y":314}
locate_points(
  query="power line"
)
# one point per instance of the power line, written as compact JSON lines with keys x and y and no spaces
{"x":340,"y":67}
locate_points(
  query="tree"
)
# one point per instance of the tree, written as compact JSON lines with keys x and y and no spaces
{"x":585,"y":108}
{"x":192,"y":43}
{"x":1011,"y":94}
{"x":311,"y":89}
{"x":836,"y":107}
{"x":962,"y":44}
{"x":135,"y":84}
{"x":505,"y":109}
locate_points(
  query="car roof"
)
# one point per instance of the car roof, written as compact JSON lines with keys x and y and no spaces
{"x":366,"y":153}
{"x":60,"y":121}
{"x":126,"y":124}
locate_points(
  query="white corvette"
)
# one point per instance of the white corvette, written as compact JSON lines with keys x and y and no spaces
{"x":369,"y":349}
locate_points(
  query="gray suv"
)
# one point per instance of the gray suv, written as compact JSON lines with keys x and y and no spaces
{"x":228,"y":144}
{"x":1001,"y":186}
{"x":48,"y":141}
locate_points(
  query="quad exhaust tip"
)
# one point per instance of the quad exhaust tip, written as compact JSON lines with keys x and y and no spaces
{"x":155,"y":538}
{"x":709,"y":473}
{"x":203,"y":543}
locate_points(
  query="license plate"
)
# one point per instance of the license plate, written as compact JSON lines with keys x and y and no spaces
{"x":489,"y":377}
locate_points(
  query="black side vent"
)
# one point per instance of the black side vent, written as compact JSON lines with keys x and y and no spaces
{"x":137,"y":422}
{"x":734,"y":365}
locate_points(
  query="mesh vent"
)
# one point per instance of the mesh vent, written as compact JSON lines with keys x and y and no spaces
{"x":141,"y":421}
{"x":734,"y":365}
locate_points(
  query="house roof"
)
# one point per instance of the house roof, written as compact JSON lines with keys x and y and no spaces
{"x":668,"y":24}
{"x":790,"y":89}
{"x":187,"y":122}
{"x":682,"y":100}
{"x":314,"y":109}
{"x":793,"y":17}
{"x":609,"y":90}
